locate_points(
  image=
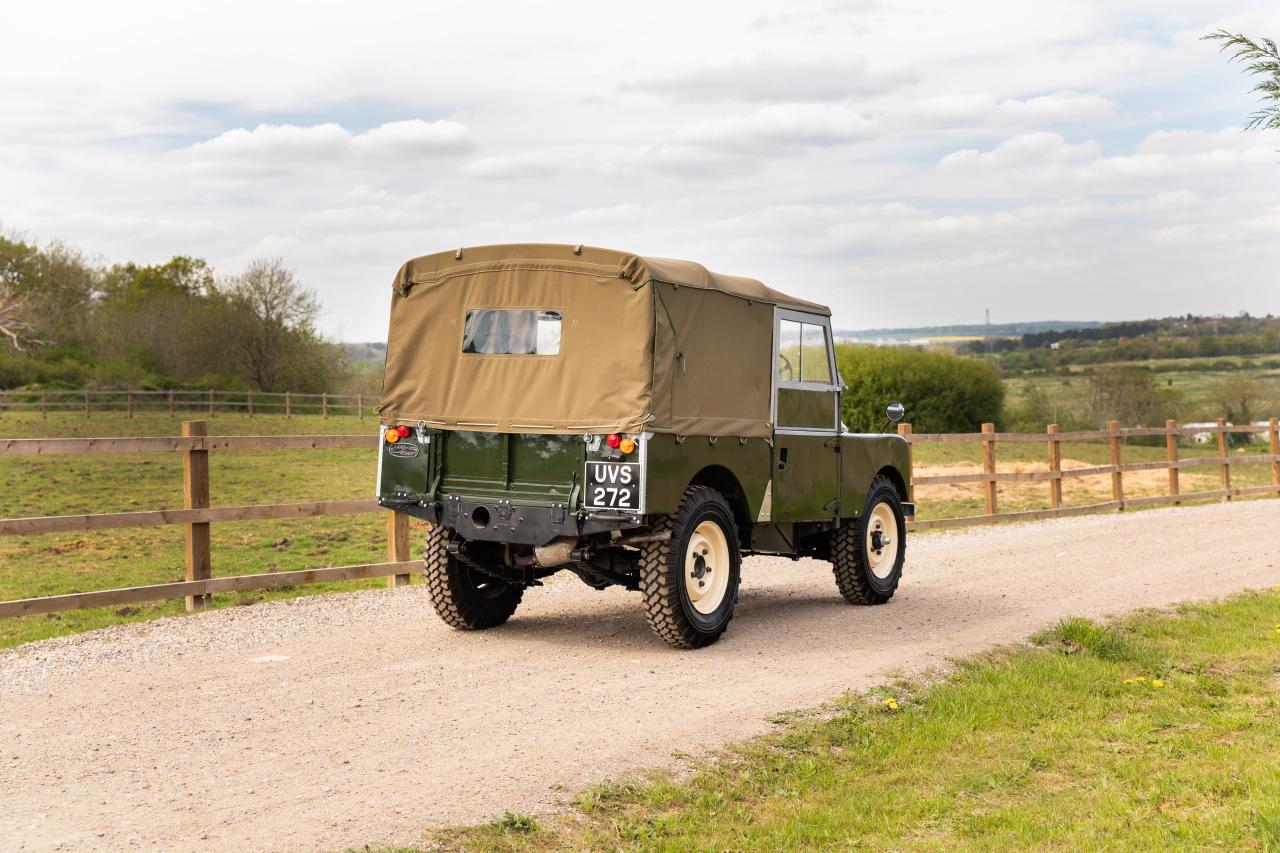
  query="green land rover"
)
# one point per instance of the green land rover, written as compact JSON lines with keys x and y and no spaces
{"x":637,"y":421}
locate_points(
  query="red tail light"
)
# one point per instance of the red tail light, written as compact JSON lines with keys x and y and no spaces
{"x":613,"y":440}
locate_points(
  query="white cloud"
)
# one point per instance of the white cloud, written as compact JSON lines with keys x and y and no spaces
{"x":773,"y":78}
{"x":1025,"y":149}
{"x":780,"y":126}
{"x":291,"y":144}
{"x":981,"y":109}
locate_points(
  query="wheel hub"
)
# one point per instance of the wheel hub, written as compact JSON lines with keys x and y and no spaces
{"x":882,"y":532}
{"x":706,"y":567}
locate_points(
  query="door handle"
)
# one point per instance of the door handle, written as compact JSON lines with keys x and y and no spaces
{"x":782,"y":459}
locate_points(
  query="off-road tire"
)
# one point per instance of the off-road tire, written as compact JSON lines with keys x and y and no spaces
{"x":463,"y":597}
{"x":667,"y":605}
{"x":857,"y":583}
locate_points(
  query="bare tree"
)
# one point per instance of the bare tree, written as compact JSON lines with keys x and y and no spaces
{"x":271,"y":313}
{"x":14,"y":324}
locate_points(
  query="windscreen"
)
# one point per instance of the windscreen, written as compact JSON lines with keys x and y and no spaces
{"x":494,"y":331}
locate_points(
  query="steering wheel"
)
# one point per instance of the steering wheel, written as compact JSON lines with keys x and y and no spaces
{"x":786,"y":372}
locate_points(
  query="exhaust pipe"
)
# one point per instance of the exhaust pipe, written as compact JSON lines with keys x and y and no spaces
{"x":557,"y":552}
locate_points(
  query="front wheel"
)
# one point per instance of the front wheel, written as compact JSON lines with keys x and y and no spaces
{"x":464,"y":597}
{"x":690,"y":581}
{"x":867,"y":552}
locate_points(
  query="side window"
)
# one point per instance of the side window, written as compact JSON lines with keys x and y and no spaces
{"x":815,"y":366}
{"x":789,"y":368}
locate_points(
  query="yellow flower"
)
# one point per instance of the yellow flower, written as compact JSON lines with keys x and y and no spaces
{"x":891,"y":704}
{"x":1157,"y":682}
{"x":1130,"y":680}
{"x":1141,"y":678}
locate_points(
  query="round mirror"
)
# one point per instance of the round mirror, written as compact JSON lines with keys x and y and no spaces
{"x":896,"y":412}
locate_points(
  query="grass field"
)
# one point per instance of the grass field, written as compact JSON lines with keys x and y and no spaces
{"x":54,"y":563}
{"x":1155,"y":733}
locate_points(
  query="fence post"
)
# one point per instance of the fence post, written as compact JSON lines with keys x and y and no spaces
{"x":44,"y":405}
{"x":360,"y":406}
{"x":1171,"y":454}
{"x":397,"y":545}
{"x":129,"y":403}
{"x":904,"y":430}
{"x":171,"y":403}
{"x":1117,"y":476}
{"x":86,"y":402}
{"x":195,"y":495}
{"x":1275,"y":454}
{"x":324,"y":404}
{"x":288,"y":410}
{"x":1225,"y":469}
{"x":989,"y":466}
{"x":250,"y":404}
{"x":1055,"y":467}
{"x":210,"y":401}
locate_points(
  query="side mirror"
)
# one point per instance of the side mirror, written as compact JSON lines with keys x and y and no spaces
{"x":895,"y":412}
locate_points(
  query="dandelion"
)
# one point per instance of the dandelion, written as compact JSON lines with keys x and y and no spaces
{"x":891,"y":704}
{"x":1130,"y":681}
{"x":1141,"y":678}
{"x":1157,"y":682}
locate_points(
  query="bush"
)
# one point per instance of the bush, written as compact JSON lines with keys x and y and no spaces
{"x":942,"y":392}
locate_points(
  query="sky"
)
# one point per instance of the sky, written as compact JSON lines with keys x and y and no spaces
{"x":906,"y":163}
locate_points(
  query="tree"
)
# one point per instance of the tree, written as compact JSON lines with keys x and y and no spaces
{"x":1239,"y":398}
{"x":942,"y":392}
{"x":1129,"y":395}
{"x":1263,"y":60}
{"x":14,"y":325}
{"x":271,"y":319}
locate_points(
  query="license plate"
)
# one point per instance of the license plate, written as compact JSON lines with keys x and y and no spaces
{"x":612,"y":485}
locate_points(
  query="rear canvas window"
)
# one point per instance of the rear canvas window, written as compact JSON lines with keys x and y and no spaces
{"x":496,"y":331}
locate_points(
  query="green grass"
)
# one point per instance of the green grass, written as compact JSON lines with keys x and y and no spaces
{"x":1155,"y":732}
{"x":55,"y":563}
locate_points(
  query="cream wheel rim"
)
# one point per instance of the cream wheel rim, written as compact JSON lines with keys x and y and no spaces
{"x":706,"y":567}
{"x":882,"y":541}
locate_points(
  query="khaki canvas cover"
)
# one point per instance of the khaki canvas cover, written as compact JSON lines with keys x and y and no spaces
{"x":645,"y":344}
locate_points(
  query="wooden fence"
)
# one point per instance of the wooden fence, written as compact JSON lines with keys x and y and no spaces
{"x":1114,"y":436}
{"x":174,"y":403}
{"x":195,"y":445}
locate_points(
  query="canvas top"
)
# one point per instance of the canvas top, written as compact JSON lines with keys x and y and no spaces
{"x":636,"y":268}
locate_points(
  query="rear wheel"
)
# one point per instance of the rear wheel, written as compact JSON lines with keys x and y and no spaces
{"x":867,"y":552}
{"x":690,"y":580}
{"x":464,"y":597}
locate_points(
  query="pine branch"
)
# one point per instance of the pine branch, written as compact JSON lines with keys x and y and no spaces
{"x":1263,"y":58}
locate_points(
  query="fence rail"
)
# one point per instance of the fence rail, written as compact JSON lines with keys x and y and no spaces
{"x":177,"y":402}
{"x":1114,"y":436}
{"x":196,"y":514}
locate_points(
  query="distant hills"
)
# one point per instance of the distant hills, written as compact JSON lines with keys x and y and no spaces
{"x":966,"y":330}
{"x":372,"y":351}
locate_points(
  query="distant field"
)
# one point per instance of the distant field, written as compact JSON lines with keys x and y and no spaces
{"x":1197,"y":387}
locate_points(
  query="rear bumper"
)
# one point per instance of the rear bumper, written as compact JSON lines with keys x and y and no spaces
{"x":502,"y":521}
{"x":908,"y":510}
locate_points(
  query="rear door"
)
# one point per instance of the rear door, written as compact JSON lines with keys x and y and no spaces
{"x":806,"y":418}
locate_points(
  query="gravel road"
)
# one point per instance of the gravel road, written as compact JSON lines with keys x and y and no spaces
{"x":342,"y":720}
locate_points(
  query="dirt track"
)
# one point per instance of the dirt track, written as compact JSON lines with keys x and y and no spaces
{"x":344,"y":720}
